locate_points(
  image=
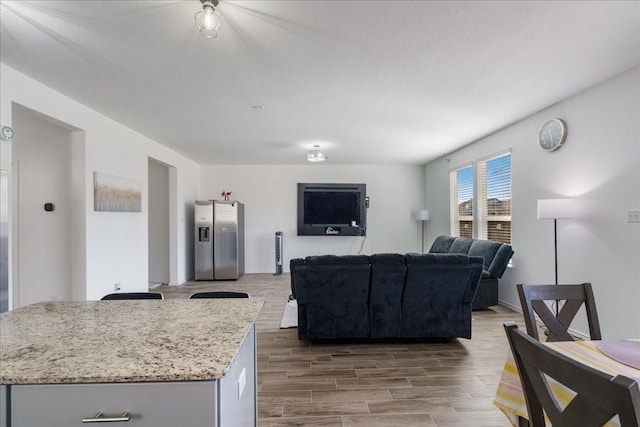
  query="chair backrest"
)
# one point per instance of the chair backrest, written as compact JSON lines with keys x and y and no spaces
{"x":132,"y":295}
{"x":533,"y":297}
{"x":219,"y":294}
{"x":599,"y":397}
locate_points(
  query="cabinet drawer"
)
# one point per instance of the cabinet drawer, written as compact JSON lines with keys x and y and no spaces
{"x":185,"y":404}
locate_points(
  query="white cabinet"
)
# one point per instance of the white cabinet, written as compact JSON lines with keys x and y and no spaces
{"x":228,"y":402}
{"x":4,"y":404}
{"x":238,"y":387}
{"x":147,"y":404}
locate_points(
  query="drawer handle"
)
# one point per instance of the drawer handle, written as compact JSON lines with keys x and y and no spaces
{"x":101,"y":418}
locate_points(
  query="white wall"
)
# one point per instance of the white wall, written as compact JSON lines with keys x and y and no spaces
{"x":116,"y":243}
{"x":600,"y":166}
{"x":270,"y":197}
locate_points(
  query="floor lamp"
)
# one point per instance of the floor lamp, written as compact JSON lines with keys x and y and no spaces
{"x":556,"y":209}
{"x":423,"y":216}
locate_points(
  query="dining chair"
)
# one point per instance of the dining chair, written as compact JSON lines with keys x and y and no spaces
{"x":533,"y":297}
{"x":132,"y":295}
{"x":219,"y":294}
{"x":599,"y":396}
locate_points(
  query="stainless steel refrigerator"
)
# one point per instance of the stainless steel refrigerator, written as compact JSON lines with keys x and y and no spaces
{"x":219,"y":240}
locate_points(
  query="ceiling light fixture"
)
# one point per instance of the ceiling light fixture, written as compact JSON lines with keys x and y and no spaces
{"x":316,"y":155}
{"x":208,"y":20}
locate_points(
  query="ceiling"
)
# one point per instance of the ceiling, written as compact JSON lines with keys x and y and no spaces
{"x":371,"y":82}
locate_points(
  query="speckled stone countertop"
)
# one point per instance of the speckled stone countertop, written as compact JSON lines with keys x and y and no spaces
{"x":123,"y":341}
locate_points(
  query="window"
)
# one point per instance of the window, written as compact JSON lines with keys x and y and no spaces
{"x":462,"y":202}
{"x":490,"y":217}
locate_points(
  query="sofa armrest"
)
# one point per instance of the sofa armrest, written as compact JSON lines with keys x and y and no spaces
{"x":486,"y":249}
{"x":294,"y":265}
{"x":500,"y":261}
{"x":476,"y":263}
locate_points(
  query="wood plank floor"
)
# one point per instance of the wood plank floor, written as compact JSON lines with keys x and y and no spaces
{"x":416,"y":384}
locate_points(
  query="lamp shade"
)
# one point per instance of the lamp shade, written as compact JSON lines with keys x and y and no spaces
{"x":556,"y":208}
{"x":423,"y":215}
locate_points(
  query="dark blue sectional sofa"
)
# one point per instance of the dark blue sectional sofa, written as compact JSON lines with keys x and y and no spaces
{"x":495,"y":256}
{"x":385,"y":296}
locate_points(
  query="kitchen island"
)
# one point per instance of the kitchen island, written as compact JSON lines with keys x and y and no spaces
{"x":143,"y":362}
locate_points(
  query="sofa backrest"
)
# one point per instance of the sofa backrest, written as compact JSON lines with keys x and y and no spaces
{"x":485,"y":249}
{"x":388,"y":273}
{"x":337,"y":260}
{"x":442,"y":244}
{"x":496,"y":255}
{"x":461,"y":246}
{"x":335,"y":290}
{"x":439,"y":290}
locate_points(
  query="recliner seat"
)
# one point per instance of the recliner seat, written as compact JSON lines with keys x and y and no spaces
{"x":495,"y":255}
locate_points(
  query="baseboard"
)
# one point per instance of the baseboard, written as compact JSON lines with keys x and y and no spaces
{"x":513,"y":307}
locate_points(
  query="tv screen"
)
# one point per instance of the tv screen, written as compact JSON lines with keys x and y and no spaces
{"x":331,"y":209}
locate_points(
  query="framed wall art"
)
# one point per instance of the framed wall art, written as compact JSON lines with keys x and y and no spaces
{"x":115,"y":193}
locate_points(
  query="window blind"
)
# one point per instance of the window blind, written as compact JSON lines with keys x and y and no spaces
{"x":483,"y":212}
{"x":461,"y":191}
{"x":494,"y":198}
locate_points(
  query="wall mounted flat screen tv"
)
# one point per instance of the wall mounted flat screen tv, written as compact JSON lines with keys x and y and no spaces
{"x":332,"y":209}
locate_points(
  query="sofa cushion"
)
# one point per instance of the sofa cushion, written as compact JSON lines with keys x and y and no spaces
{"x":460,"y":246}
{"x":442,"y":244}
{"x":388,"y":273}
{"x":485,"y":249}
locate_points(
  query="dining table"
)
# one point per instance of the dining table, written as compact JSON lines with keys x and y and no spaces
{"x":613,"y":357}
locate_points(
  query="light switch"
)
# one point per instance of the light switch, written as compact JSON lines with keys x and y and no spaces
{"x":633,"y":215}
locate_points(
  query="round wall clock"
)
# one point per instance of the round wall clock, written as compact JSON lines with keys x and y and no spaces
{"x":552,"y":134}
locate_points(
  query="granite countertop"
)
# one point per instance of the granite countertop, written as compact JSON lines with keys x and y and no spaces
{"x":123,"y":341}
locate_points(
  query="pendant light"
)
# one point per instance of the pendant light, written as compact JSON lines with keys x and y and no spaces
{"x":208,"y":20}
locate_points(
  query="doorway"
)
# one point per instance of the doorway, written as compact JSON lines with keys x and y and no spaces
{"x":48,"y":171}
{"x":162,"y":224}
